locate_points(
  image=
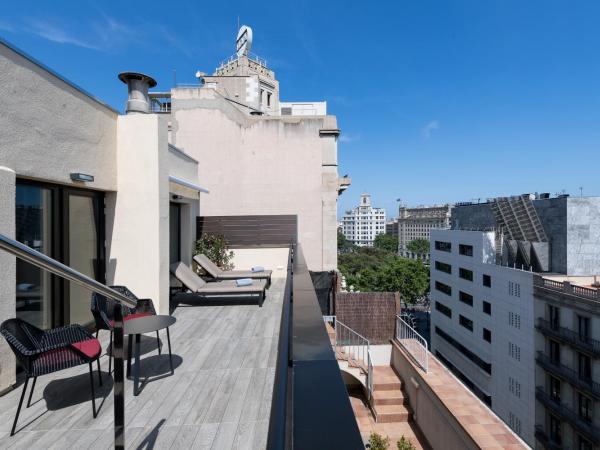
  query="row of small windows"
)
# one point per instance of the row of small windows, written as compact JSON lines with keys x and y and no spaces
{"x":483,"y":365}
{"x":463,"y":273}
{"x":514,"y":387}
{"x":514,"y":320}
{"x":464,"y":321}
{"x":463,"y":249}
{"x":514,"y":351}
{"x":514,"y":289}
{"x":514,"y":422}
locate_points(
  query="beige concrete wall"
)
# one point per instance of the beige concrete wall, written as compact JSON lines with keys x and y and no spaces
{"x":50,"y":129}
{"x":138,"y":214}
{"x":431,"y":416}
{"x":9,"y":273}
{"x":263,"y":165}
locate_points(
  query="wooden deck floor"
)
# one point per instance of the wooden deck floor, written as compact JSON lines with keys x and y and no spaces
{"x":218,"y":398}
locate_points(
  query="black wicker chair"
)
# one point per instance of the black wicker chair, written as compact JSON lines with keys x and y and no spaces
{"x":103,"y":312}
{"x":41,"y":352}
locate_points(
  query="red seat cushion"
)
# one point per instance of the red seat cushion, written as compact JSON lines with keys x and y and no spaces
{"x":131,"y":317}
{"x":90,"y":348}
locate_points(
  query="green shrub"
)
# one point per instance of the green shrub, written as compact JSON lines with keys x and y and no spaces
{"x":405,"y":444}
{"x":214,"y":246}
{"x":377,"y":442}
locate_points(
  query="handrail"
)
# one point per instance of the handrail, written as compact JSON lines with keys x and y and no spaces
{"x":42,"y":261}
{"x":407,"y":336}
{"x":48,"y":264}
{"x":353,"y":346}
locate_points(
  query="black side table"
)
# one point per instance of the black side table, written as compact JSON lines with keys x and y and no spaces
{"x":141,"y":326}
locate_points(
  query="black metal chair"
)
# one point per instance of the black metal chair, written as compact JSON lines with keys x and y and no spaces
{"x":103,"y":312}
{"x":41,"y":352}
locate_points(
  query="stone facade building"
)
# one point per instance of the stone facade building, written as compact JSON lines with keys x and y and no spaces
{"x":417,"y":223}
{"x":362,"y":224}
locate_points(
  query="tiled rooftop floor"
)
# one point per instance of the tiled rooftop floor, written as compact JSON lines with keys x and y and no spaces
{"x":218,"y":398}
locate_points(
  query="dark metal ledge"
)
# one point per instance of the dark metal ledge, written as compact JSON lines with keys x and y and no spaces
{"x":310,"y":407}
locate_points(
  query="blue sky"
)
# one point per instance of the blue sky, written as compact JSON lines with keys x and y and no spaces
{"x":438,"y":101}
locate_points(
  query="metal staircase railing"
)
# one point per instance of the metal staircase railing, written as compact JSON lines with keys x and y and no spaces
{"x":412,"y":342}
{"x":354,"y":348}
{"x":48,"y":264}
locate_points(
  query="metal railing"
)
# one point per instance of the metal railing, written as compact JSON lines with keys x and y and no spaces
{"x":370,"y":375}
{"x":356,"y":349}
{"x":308,"y":389}
{"x":54,"y":267}
{"x":568,"y":374}
{"x":583,"y":426}
{"x":573,"y":338}
{"x":412,"y":342}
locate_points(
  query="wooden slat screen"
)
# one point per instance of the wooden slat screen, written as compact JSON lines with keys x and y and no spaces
{"x":244,"y":231}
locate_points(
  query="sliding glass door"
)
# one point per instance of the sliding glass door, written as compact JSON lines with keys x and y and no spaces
{"x":35,"y":214}
{"x":83,"y":249}
{"x":68,"y":225}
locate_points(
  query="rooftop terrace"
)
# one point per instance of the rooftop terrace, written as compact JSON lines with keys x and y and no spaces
{"x":219,"y":396}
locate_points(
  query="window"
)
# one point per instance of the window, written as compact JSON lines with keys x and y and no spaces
{"x":465,"y":274}
{"x":443,"y":309}
{"x":585,"y":407}
{"x":555,"y":434}
{"x":585,"y":366}
{"x":487,"y":335}
{"x":443,"y":246}
{"x":514,"y":320}
{"x":514,"y":289}
{"x":485,"y":366}
{"x":514,"y":422}
{"x":554,"y":352}
{"x":465,"y":298}
{"x":514,"y":350}
{"x":467,"y":323}
{"x":487,"y":308}
{"x":443,"y":288}
{"x":487,"y":280}
{"x":466,"y":250}
{"x":583,"y":444}
{"x":554,"y":316}
{"x":268,"y":99}
{"x":554,"y":388}
{"x":443,"y":267}
{"x":514,"y":387}
{"x":583,"y":326}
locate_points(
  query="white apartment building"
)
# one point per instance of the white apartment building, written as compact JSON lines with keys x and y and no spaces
{"x":482,"y":324}
{"x":417,"y":223}
{"x":483,"y":297}
{"x":363,"y":223}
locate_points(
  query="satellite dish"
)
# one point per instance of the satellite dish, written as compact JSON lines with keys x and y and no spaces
{"x":243,"y":42}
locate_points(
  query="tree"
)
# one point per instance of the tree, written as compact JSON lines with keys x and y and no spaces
{"x":343,"y":244}
{"x":419,"y":246}
{"x":386,"y":242}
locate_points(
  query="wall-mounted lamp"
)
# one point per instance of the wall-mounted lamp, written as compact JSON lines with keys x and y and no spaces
{"x":176,"y":197}
{"x":82,"y":177}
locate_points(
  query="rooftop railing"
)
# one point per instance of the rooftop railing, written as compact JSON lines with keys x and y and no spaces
{"x":412,"y":342}
{"x":571,"y":337}
{"x":567,"y":288}
{"x":310,"y":406}
{"x":54,"y":267}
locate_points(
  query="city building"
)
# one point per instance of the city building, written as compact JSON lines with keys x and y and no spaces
{"x":391,"y":227}
{"x":482,"y":291}
{"x":567,"y":322}
{"x":269,"y":161}
{"x":363,"y":223}
{"x":417,"y":223}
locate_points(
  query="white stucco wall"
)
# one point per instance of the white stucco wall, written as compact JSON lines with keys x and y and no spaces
{"x":9,"y":268}
{"x":138,"y":214}
{"x":262,"y":165}
{"x":50,"y":129}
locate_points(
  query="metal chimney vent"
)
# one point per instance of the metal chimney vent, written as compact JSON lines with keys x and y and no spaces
{"x":137,"y":87}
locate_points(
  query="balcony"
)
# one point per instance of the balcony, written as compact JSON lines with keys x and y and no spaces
{"x":582,"y":343}
{"x":547,"y":442}
{"x":568,"y":374}
{"x":583,"y":427}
